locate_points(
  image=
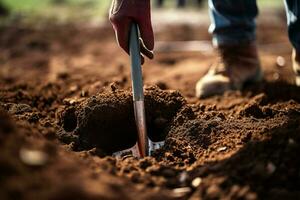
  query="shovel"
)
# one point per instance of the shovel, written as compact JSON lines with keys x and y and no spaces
{"x":138,"y":92}
{"x":144,"y":146}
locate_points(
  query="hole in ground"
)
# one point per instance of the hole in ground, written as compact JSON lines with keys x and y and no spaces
{"x":106,"y":121}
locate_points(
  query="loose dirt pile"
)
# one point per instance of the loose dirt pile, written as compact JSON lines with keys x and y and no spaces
{"x":106,"y":121}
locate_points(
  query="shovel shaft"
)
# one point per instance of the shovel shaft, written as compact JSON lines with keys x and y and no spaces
{"x":136,"y":69}
{"x":139,"y":112}
{"x":137,"y":88}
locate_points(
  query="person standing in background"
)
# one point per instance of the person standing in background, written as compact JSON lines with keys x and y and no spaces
{"x":233,"y":28}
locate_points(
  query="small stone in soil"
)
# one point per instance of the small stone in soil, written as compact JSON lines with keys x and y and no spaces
{"x":196,"y":182}
{"x":180,"y":192}
{"x":280,"y":61}
{"x":33,"y":157}
{"x":271,"y":168}
{"x":222,"y":149}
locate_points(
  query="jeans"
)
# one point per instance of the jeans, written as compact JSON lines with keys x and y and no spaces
{"x":233,"y":21}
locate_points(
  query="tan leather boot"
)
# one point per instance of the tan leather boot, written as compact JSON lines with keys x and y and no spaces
{"x":238,"y":65}
{"x":296,"y":65}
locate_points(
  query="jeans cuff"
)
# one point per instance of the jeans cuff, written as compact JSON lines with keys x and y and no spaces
{"x":224,"y":40}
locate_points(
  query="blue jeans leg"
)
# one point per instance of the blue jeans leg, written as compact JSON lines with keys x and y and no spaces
{"x":233,"y":21}
{"x":293,"y":20}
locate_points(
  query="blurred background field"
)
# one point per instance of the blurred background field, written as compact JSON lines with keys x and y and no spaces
{"x":81,"y":11}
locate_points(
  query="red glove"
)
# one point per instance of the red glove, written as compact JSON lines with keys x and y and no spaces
{"x":123,"y":13}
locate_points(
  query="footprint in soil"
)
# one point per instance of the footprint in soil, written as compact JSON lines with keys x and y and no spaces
{"x":106,"y":121}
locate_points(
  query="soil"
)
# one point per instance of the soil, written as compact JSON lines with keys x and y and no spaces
{"x":106,"y":121}
{"x":65,"y":89}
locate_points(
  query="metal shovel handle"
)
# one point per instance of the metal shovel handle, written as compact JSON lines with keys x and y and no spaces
{"x":138,"y":92}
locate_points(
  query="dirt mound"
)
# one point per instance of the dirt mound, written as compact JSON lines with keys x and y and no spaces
{"x":240,"y":145}
{"x":106,"y":121}
{"x":32,"y":167}
{"x":272,"y":163}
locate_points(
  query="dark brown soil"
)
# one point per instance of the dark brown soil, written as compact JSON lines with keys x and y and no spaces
{"x":65,"y":105}
{"x":106,"y":121}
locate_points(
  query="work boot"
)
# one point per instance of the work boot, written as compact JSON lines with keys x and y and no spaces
{"x":296,"y":66}
{"x":238,"y":65}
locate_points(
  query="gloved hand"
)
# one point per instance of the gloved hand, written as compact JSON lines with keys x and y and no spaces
{"x":123,"y":13}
